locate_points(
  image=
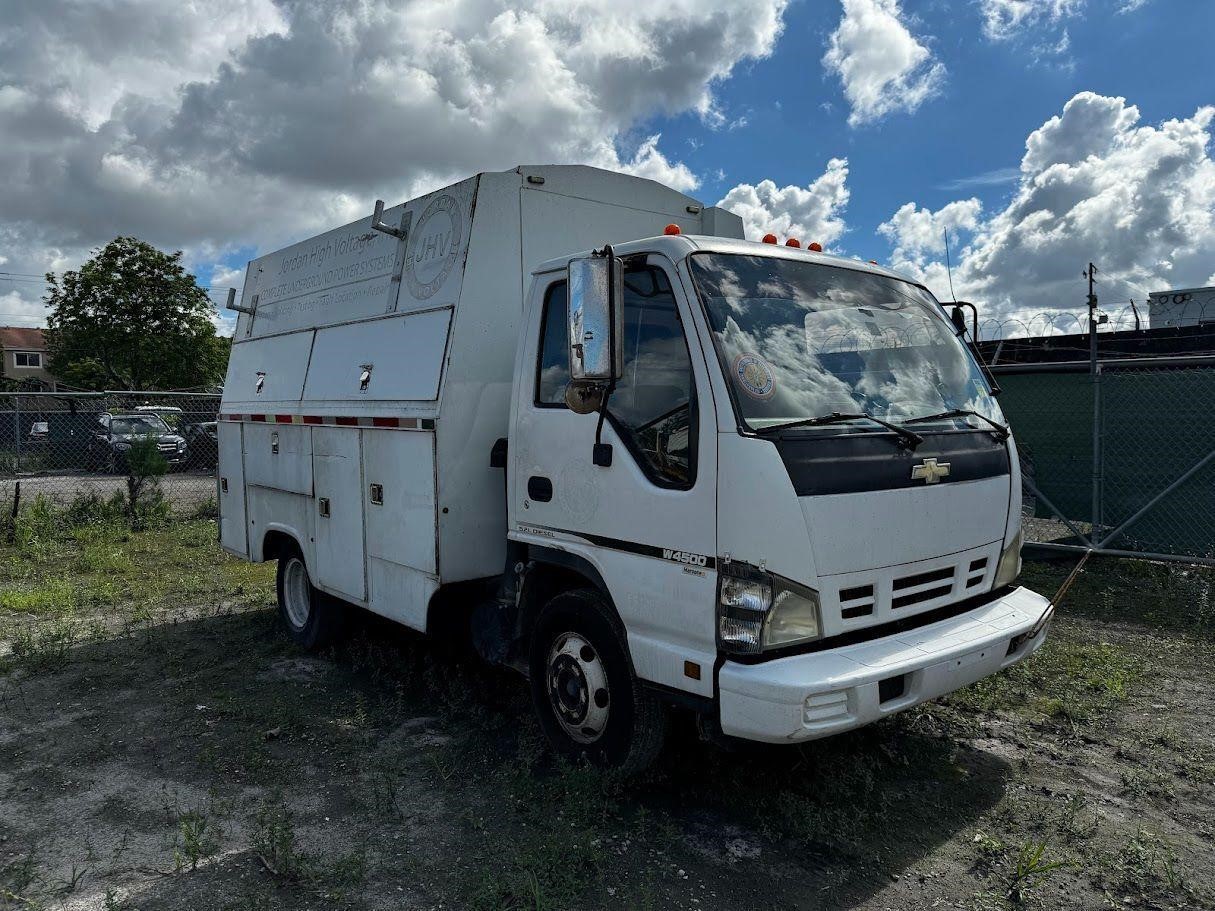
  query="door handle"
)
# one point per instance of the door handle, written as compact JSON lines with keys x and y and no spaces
{"x":539,"y":488}
{"x":323,"y":507}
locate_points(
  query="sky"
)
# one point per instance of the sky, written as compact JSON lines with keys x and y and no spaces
{"x":1041,"y":134}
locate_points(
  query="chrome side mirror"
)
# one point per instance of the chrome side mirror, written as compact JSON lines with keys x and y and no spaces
{"x":596,"y":318}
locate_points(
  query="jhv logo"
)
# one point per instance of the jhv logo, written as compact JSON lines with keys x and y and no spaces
{"x":434,"y":246}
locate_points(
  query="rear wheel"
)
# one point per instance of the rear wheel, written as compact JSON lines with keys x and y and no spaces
{"x":590,"y":703}
{"x":313,"y":618}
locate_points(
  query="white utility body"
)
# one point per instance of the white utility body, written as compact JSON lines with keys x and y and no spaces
{"x":790,"y":503}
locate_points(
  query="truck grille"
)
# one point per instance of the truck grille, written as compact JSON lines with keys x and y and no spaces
{"x":856,"y":602}
{"x":862,"y":599}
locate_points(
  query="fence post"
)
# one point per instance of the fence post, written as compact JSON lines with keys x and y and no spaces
{"x":1095,"y":373}
{"x":17,"y":434}
{"x":1098,"y":459}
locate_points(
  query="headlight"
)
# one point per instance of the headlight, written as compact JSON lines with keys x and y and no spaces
{"x":181,"y":444}
{"x":794,"y":617}
{"x":122,"y":446}
{"x":757,"y":610}
{"x":743,"y":601}
{"x":1010,"y":563}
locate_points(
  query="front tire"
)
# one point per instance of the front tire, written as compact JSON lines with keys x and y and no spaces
{"x":589,"y":701}
{"x":313,"y":619}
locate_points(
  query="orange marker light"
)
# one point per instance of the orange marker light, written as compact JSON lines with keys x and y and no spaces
{"x":769,"y":238}
{"x":793,"y":242}
{"x":815,"y":246}
{"x":873,"y":262}
{"x":671,"y":229}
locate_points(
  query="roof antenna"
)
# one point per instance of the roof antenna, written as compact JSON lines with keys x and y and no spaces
{"x":948,"y":265}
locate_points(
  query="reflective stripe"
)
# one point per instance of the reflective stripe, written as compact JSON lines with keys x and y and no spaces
{"x":382,"y":423}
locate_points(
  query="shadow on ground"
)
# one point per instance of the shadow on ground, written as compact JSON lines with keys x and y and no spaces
{"x":204,"y":763}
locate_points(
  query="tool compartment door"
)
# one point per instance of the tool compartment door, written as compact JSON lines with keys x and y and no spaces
{"x":338,"y":478}
{"x":231,"y":483}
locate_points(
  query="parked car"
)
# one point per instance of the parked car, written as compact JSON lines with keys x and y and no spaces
{"x":170,"y":414}
{"x":109,"y":445}
{"x":202,"y":441}
{"x":40,"y":430}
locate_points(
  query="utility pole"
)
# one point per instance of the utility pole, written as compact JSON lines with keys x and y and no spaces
{"x":1091,"y":275}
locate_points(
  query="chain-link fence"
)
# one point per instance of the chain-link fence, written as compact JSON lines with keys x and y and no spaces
{"x":1117,"y":459}
{"x":58,"y":450}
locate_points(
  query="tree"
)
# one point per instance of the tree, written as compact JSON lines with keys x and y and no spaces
{"x":132,"y":318}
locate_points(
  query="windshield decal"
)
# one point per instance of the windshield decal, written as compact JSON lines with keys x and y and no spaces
{"x":754,"y":375}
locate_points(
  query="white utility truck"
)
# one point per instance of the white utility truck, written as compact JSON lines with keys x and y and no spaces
{"x":573,"y":414}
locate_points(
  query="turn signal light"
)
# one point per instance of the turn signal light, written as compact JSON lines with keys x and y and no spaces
{"x":815,"y":246}
{"x":769,"y":238}
{"x":671,"y":229}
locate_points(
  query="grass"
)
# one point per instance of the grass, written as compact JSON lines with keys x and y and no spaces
{"x":392,"y":772}
{"x":99,"y":566}
{"x":1070,"y":679}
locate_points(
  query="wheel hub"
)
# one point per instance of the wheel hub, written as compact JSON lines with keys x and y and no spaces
{"x":578,"y":688}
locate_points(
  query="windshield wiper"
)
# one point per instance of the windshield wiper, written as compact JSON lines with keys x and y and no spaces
{"x":1000,"y":432}
{"x":908,"y":439}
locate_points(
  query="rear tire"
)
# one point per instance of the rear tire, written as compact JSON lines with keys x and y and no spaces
{"x":313,"y":619}
{"x":590,"y":703}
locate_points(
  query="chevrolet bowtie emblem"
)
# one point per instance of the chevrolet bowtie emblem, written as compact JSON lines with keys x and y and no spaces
{"x":930,"y":471}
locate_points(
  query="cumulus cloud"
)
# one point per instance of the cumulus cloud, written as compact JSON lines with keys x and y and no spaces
{"x":1007,"y":19}
{"x":884,"y":68}
{"x":919,"y":233}
{"x":810,"y":213}
{"x":1096,"y":185}
{"x":246,"y":123}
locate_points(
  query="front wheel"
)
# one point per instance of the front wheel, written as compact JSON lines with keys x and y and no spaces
{"x":590,"y":703}
{"x":313,"y":618}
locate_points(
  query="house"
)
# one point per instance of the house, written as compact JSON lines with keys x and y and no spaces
{"x":23,"y":358}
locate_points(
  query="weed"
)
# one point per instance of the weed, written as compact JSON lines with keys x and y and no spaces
{"x":72,"y":883}
{"x":20,"y":874}
{"x":43,"y":646}
{"x":1030,"y":870}
{"x":1072,"y":823}
{"x":1145,"y":862}
{"x":1145,"y":782}
{"x":991,"y":851}
{"x":274,"y":842}
{"x":197,"y":839}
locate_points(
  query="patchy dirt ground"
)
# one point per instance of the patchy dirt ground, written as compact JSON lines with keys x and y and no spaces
{"x":163,"y":746}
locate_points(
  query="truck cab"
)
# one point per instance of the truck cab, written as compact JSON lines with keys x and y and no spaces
{"x":759,"y":482}
{"x":799,"y":500}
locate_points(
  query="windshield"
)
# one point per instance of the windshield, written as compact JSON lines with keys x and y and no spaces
{"x":801,"y":340}
{"x":140,"y":425}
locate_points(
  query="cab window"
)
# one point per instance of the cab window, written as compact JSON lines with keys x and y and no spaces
{"x":553,"y":370}
{"x":653,"y":405}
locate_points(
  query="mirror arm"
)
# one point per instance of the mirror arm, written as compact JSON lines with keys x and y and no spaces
{"x":601,"y":454}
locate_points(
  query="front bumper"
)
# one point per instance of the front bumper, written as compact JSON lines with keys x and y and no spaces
{"x":803,"y":697}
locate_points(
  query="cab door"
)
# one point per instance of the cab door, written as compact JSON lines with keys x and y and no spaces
{"x":647,"y":521}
